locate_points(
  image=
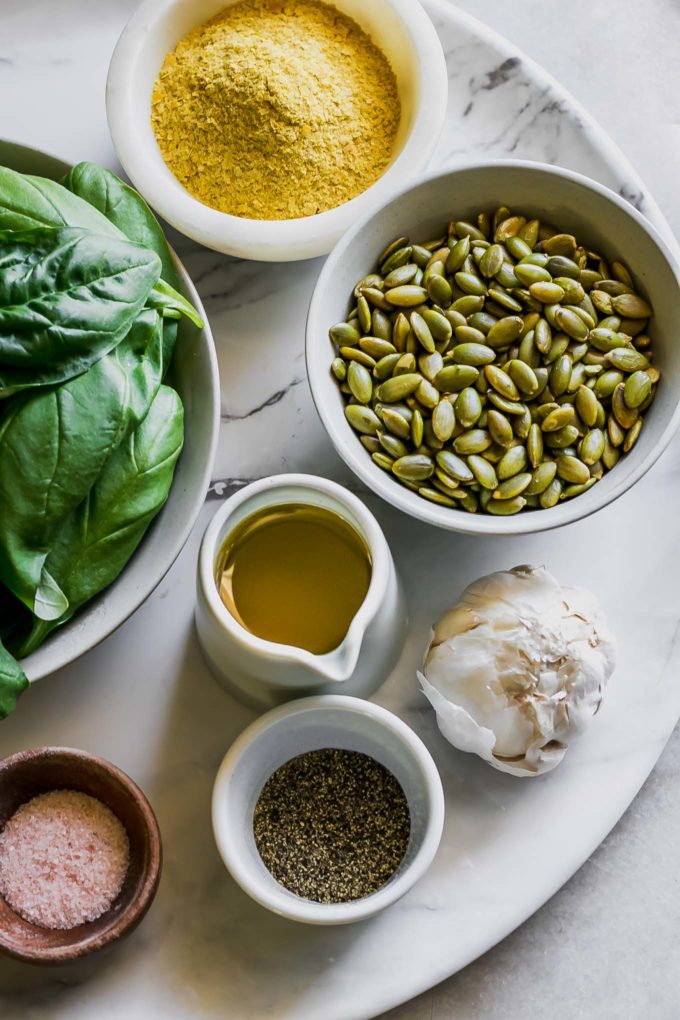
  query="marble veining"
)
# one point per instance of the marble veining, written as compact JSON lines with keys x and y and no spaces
{"x":146,"y":700}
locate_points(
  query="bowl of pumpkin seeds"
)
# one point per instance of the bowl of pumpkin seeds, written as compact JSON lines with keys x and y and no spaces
{"x":494,"y":350}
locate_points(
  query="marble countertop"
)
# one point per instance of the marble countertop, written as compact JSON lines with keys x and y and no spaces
{"x":613,"y":932}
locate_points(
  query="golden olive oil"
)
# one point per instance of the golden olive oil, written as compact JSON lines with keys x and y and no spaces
{"x":295,"y":574}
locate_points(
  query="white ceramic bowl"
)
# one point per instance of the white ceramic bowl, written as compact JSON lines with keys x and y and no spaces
{"x":309,"y":725}
{"x":576,"y":204}
{"x":195,"y":374}
{"x":400,"y":27}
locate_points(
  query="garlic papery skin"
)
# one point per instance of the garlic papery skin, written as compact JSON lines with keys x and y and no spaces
{"x":517,"y":668}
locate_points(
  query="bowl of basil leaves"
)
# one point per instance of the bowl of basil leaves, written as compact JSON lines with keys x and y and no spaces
{"x":109,"y":410}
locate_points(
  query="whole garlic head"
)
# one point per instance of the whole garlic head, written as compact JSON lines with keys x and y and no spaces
{"x":517,"y":667}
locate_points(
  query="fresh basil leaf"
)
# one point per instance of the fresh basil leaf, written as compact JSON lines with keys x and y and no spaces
{"x":28,"y":202}
{"x":166,"y":299}
{"x":67,"y":297}
{"x":125,"y":208}
{"x":53,"y":446}
{"x":12,"y":682}
{"x":101,"y":535}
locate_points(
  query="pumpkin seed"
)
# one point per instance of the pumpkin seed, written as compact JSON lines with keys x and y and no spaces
{"x":352,"y":354}
{"x":362,"y":419}
{"x":637,"y":388}
{"x":443,"y":421}
{"x":500,"y":428}
{"x":632,"y":436}
{"x":468,"y":407}
{"x":506,"y":507}
{"x":626,"y":416}
{"x":535,"y":445}
{"x":571,"y":323}
{"x":400,"y":242}
{"x":360,"y":382}
{"x":591,"y":447}
{"x":586,"y":405}
{"x":435,"y":496}
{"x":557,"y":418}
{"x":627,"y":359}
{"x":542,"y":476}
{"x":376,"y":347}
{"x":551,"y":496}
{"x":505,"y":331}
{"x":392,"y":445}
{"x":631,"y":306}
{"x":483,"y":471}
{"x":383,"y":461}
{"x":560,"y":244}
{"x":415,"y":467}
{"x":399,"y":387}
{"x":339,"y":369}
{"x":473,"y":354}
{"x":472,"y":442}
{"x":576,"y":490}
{"x":408,"y":296}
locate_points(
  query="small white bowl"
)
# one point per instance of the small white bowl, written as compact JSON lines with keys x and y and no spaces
{"x":309,"y":725}
{"x":405,"y":34}
{"x":572,"y":202}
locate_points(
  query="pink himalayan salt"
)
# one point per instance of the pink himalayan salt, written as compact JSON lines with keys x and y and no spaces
{"x":63,"y":859}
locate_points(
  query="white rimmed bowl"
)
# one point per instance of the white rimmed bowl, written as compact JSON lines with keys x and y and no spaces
{"x":195,"y":375}
{"x":403,"y":31}
{"x":575,"y":203}
{"x":309,"y":725}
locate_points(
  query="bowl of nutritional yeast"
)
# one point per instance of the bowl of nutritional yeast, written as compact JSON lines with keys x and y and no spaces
{"x":494,"y":350}
{"x":265,"y":129}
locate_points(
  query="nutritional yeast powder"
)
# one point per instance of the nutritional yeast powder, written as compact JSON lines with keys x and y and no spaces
{"x":276,"y":109}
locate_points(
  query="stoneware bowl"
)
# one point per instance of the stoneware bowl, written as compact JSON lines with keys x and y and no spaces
{"x":196,"y":377}
{"x":400,"y":27}
{"x":262,"y":673}
{"x":309,"y":725}
{"x":574,"y":203}
{"x":29,"y":773}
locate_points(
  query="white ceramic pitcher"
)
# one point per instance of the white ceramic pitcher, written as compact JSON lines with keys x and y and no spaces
{"x":262,"y":673}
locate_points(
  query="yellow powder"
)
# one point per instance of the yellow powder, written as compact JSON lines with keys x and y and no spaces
{"x":276,"y":109}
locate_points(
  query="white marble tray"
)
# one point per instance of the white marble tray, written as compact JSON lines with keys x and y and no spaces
{"x":146,"y":700}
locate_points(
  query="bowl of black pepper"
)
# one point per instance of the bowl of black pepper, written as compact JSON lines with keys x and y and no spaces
{"x":327,"y":810}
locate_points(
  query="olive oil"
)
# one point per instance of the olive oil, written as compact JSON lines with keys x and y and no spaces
{"x":294,"y":574}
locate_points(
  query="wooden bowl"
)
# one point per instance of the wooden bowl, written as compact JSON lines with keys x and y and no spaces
{"x":28,"y":773}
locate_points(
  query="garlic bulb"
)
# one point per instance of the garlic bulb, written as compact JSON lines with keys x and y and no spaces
{"x":517,"y":668}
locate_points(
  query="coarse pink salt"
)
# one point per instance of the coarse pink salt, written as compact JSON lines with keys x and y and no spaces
{"x":63,"y":859}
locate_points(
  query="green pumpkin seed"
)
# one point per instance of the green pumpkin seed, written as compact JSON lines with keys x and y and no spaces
{"x":546,"y":293}
{"x":557,"y":418}
{"x":414,"y":467}
{"x":492,"y":260}
{"x":529,"y":274}
{"x":435,"y":496}
{"x":631,"y":306}
{"x":571,"y":323}
{"x":470,"y":284}
{"x":473,"y":354}
{"x":352,"y":354}
{"x":535,"y":445}
{"x":506,"y":507}
{"x":383,"y":461}
{"x":560,"y":244}
{"x":458,"y":254}
{"x":483,"y":472}
{"x":560,"y":375}
{"x":417,"y":426}
{"x":571,"y":469}
{"x":437,"y":323}
{"x":542,"y":476}
{"x":392,"y":445}
{"x":370,"y":443}
{"x":523,"y":377}
{"x":591,"y":447}
{"x":360,"y":382}
{"x":430,"y":364}
{"x":468,"y":407}
{"x":500,"y":428}
{"x":443,"y":421}
{"x":632,"y":436}
{"x":406,"y":297}
{"x":505,"y":331}
{"x":406,"y":365}
{"x":362,"y":419}
{"x":453,"y":378}
{"x":561,"y":266}
{"x":344,"y":334}
{"x":625,"y":415}
{"x":396,"y":423}
{"x":472,"y":442}
{"x":398,"y":387}
{"x":563,"y":439}
{"x":427,"y":395}
{"x":393,"y":246}
{"x":376,"y":347}
{"x":468,"y":335}
{"x":543,"y":336}
{"x":586,"y":405}
{"x":422,"y":332}
{"x":454,"y":466}
{"x":550,"y":496}
{"x":501,"y":382}
{"x":627,"y":359}
{"x":439,"y":290}
{"x":637,"y":388}
{"x":339,"y":369}
{"x":512,"y":487}
{"x":512,"y":462}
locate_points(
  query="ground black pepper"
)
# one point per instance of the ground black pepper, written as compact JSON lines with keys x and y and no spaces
{"x":332,"y":825}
